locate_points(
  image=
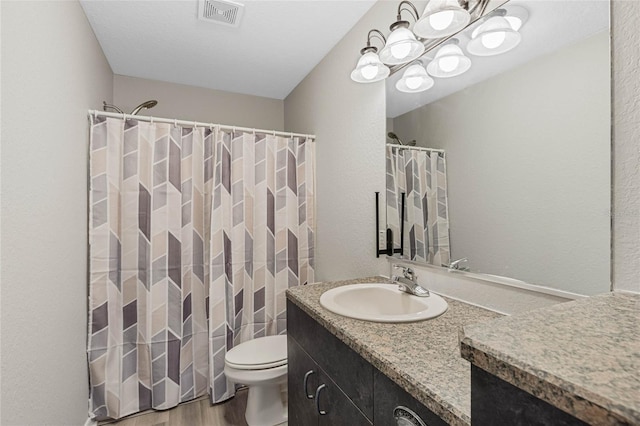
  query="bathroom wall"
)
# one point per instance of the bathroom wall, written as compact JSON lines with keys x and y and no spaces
{"x":349,"y":122}
{"x":53,"y":71}
{"x":198,"y":104}
{"x":554,"y":177}
{"x":626,"y":139}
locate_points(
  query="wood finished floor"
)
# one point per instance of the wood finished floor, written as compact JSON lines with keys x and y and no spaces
{"x":195,"y":413}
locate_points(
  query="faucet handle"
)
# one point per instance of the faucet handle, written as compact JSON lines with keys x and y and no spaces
{"x":407,"y":272}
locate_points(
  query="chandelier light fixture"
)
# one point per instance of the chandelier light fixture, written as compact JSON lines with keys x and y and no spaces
{"x":369,"y":68}
{"x":495,"y":36}
{"x":402,"y":46}
{"x":496,"y":32}
{"x":449,"y":61}
{"x":415,"y":79}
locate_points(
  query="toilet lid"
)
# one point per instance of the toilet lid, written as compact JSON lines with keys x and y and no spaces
{"x":260,"y":353}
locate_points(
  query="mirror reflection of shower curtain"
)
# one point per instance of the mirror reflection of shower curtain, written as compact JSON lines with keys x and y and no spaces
{"x":422,"y":176}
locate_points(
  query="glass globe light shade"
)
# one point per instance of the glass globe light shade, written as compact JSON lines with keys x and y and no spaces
{"x":369,"y":68}
{"x":402,"y":46}
{"x":414,"y":79}
{"x":493,"y":37}
{"x":449,"y":62}
{"x":441,"y":18}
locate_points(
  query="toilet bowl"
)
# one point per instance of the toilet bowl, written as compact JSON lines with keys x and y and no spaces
{"x":261,"y":365}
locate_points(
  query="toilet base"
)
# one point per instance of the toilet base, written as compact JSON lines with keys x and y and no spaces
{"x":264,"y":406}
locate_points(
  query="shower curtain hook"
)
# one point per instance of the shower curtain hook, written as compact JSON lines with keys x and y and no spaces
{"x":274,"y":133}
{"x":151,"y":120}
{"x":175,"y":122}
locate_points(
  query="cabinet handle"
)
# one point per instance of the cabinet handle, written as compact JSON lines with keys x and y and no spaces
{"x":306,"y":380}
{"x":320,"y":411}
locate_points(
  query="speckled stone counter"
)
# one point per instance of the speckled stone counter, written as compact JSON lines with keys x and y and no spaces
{"x":583,"y":357}
{"x":423,"y":357}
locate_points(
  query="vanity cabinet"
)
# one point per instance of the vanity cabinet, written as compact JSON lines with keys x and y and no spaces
{"x":355,"y":393}
{"x":346,"y":396}
{"x":314,"y":398}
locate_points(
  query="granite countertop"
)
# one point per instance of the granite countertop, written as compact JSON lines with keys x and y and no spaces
{"x":423,"y":357}
{"x":582,"y":357}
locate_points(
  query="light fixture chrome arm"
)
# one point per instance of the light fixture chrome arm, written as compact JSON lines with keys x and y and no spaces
{"x":413,"y":9}
{"x":375,"y":33}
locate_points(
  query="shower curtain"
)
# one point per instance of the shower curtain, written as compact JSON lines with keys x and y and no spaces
{"x":422,"y":176}
{"x":173,"y":283}
{"x":262,"y":239}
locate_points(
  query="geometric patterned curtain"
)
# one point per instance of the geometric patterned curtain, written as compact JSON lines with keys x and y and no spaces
{"x":150,"y":188}
{"x":162,"y":240}
{"x":262,"y":239}
{"x":422,"y":176}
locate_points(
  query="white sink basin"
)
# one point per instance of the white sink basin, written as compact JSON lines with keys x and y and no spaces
{"x":381,"y":303}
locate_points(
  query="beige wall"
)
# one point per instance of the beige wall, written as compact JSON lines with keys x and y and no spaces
{"x":53,"y":71}
{"x":626,"y":140}
{"x":529,"y":175}
{"x":349,"y":122}
{"x":198,"y":104}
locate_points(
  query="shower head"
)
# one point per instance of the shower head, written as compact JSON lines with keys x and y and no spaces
{"x":395,"y":137}
{"x":147,"y":105}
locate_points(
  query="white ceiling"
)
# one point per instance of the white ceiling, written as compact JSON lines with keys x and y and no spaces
{"x":276,"y":45}
{"x":552,"y":24}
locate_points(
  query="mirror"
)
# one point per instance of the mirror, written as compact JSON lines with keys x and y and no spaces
{"x":512,"y":166}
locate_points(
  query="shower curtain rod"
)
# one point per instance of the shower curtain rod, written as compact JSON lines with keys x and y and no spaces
{"x":96,"y":113}
{"x":418,"y":148}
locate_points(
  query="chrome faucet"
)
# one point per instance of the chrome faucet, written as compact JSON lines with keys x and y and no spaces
{"x":455,"y":265}
{"x":407,"y":282}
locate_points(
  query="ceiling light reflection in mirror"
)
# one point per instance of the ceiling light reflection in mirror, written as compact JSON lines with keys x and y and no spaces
{"x":527,"y":141}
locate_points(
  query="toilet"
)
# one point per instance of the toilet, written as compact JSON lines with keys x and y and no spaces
{"x":261,"y":365}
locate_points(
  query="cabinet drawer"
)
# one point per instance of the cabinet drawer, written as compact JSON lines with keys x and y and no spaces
{"x":389,"y":395}
{"x":348,"y":370}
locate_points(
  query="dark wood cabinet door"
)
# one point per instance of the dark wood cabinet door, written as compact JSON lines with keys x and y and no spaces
{"x":302,"y":410}
{"x":352,"y":373}
{"x":338,"y":409}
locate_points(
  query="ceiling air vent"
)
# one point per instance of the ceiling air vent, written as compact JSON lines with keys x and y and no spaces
{"x":225,"y":12}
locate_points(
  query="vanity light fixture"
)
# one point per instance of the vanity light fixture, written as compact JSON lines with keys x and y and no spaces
{"x":402,"y":46}
{"x":495,"y":36}
{"x":369,"y":68}
{"x":449,"y":61}
{"x":415,"y":79}
{"x":441,"y":18}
